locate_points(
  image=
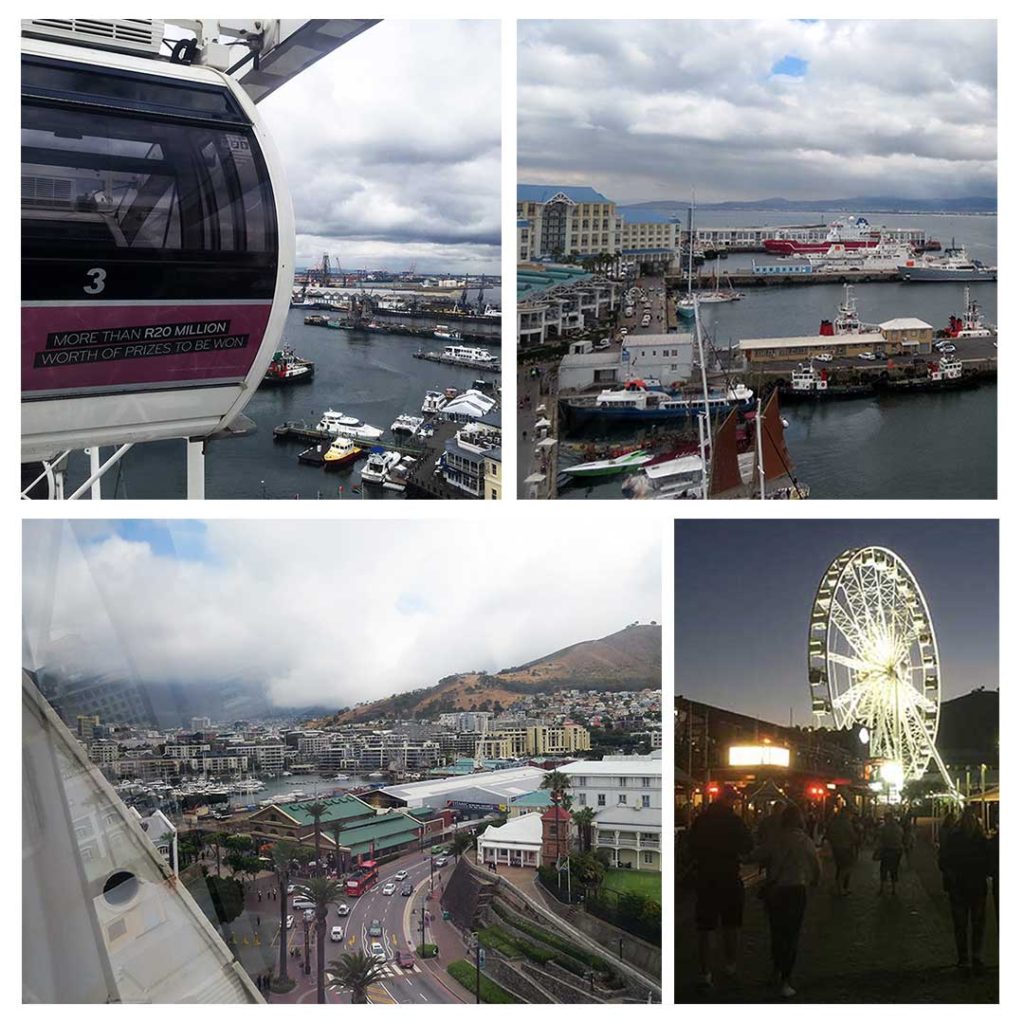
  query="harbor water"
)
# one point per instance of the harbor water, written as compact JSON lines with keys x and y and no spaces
{"x":920,"y":446}
{"x":311,"y":785}
{"x":369,"y":374}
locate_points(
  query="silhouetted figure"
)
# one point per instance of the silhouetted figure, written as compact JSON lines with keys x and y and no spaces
{"x":889,"y":852}
{"x":965,"y":862}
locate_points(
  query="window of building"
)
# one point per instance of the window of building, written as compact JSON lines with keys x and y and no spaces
{"x":622,"y":780}
{"x":600,"y":799}
{"x":645,"y":801}
{"x":622,"y":799}
{"x":648,"y":857}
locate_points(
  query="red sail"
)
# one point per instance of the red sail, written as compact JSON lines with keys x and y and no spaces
{"x":773,"y":445}
{"x":725,"y":466}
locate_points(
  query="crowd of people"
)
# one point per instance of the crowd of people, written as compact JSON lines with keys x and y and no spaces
{"x":779,"y":859}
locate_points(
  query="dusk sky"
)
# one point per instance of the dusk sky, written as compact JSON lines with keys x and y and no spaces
{"x":321,"y":611}
{"x":743,"y":592}
{"x":392,"y":148}
{"x":748,"y":109}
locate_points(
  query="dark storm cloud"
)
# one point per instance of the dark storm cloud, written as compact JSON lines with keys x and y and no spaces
{"x":643,"y":110}
{"x":392,"y":148}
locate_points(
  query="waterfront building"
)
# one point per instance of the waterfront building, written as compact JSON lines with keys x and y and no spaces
{"x":536,"y":802}
{"x":664,"y":357}
{"x":649,"y":237}
{"x":492,"y":475}
{"x":565,"y":219}
{"x":902,"y":336}
{"x":554,"y":299}
{"x":465,"y":456}
{"x":492,"y":790}
{"x":515,"y":844}
{"x":625,"y":793}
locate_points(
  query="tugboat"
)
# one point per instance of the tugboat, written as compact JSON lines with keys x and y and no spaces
{"x":287,"y":368}
{"x":342,"y":451}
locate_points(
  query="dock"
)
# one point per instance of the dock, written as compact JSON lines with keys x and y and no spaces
{"x":437,"y":357}
{"x":292,"y":431}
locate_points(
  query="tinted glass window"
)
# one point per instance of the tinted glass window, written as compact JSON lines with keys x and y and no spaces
{"x":109,"y":181}
{"x":126,"y":89}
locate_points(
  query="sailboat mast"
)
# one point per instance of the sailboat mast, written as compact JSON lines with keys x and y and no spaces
{"x":759,"y":422}
{"x":689,"y":258}
{"x":703,"y":369}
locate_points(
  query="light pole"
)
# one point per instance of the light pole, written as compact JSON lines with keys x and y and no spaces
{"x":305,"y":936}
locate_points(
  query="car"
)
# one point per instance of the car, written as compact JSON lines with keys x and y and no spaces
{"x":405,"y":960}
{"x":439,"y":862}
{"x":291,"y":889}
{"x":337,"y":933}
{"x":342,"y":910}
{"x":440,"y":848}
{"x":407,"y":889}
{"x":289,"y":921}
{"x":823,"y":357}
{"x":302,"y":903}
{"x":389,"y":889}
{"x":400,"y":875}
{"x":375,"y":929}
{"x":947,"y":347}
{"x":865,"y":355}
{"x":308,"y":915}
{"x":377,"y":952}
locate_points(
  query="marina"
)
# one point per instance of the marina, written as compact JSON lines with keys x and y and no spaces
{"x":370,"y":376}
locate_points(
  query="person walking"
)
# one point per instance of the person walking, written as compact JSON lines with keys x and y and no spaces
{"x":888,"y":852}
{"x":718,"y":841}
{"x":842,"y":838}
{"x":792,"y":867}
{"x":965,"y":862}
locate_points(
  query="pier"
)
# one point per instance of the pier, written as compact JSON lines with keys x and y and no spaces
{"x":437,"y":357}
{"x":292,"y":431}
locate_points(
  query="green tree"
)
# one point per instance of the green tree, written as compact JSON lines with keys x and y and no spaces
{"x":222,"y":899}
{"x":282,"y":856}
{"x":322,"y":892}
{"x":587,"y":870}
{"x":461,"y":842}
{"x":583,"y":819}
{"x":355,"y":971}
{"x":316,"y":809}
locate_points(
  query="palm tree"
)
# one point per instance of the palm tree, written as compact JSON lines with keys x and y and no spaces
{"x":316,"y":809}
{"x":356,"y":971}
{"x":217,"y":838}
{"x":557,"y":783}
{"x":282,"y":855}
{"x":461,"y":841}
{"x":335,"y":830}
{"x":321,"y":892}
{"x":583,"y":819}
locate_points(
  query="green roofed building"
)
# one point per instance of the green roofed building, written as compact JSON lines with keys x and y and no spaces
{"x":537,"y":801}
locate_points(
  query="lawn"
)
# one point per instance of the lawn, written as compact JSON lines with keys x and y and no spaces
{"x":646,"y":883}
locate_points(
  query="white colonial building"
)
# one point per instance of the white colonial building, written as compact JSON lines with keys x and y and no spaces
{"x":517,"y":843}
{"x":625,"y":794}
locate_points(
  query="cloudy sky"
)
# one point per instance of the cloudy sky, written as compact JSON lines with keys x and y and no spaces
{"x":392,"y":147}
{"x":322,"y":612}
{"x":744,"y":592}
{"x":744,"y":110}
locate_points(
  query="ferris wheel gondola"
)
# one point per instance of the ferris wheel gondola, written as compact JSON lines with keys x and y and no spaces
{"x":873,"y":661}
{"x":157,"y":249}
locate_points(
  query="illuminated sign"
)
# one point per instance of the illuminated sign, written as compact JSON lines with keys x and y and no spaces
{"x":742,"y":757}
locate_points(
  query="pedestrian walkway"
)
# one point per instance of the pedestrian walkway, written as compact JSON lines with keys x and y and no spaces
{"x":861,"y":948}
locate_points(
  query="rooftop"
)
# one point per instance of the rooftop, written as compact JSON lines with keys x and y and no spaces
{"x":526,"y":830}
{"x":510,"y":781}
{"x":338,"y":808}
{"x":810,"y":340}
{"x":545,"y":193}
{"x":905,"y":323}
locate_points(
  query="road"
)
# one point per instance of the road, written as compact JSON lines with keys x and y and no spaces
{"x":401,"y":932}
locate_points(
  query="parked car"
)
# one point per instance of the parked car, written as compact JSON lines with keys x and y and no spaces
{"x":301,"y":903}
{"x":405,"y":960}
{"x":389,"y":889}
{"x":308,"y":915}
{"x":342,"y":910}
{"x":377,"y":952}
{"x":865,"y":355}
{"x":291,"y":889}
{"x":823,"y":357}
{"x":336,"y":933}
{"x":375,"y":929}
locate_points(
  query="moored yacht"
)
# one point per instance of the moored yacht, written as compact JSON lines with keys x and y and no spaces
{"x":377,"y":466}
{"x":337,"y":423}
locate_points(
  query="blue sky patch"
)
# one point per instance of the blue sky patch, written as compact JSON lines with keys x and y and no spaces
{"x":794,"y":67}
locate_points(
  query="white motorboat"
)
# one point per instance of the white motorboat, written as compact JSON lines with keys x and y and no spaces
{"x":675,"y":478}
{"x":340,"y":425}
{"x":406,"y":424}
{"x":446,"y":333}
{"x":377,"y":466}
{"x":433,"y":402}
{"x":398,"y":476}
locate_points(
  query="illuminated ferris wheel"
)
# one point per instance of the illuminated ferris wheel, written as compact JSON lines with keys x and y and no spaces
{"x":873,"y":661}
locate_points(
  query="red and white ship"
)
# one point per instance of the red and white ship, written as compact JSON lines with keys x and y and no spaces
{"x":853,"y":233}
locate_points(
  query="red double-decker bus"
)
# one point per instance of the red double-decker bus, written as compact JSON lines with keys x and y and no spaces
{"x":364,"y":877}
